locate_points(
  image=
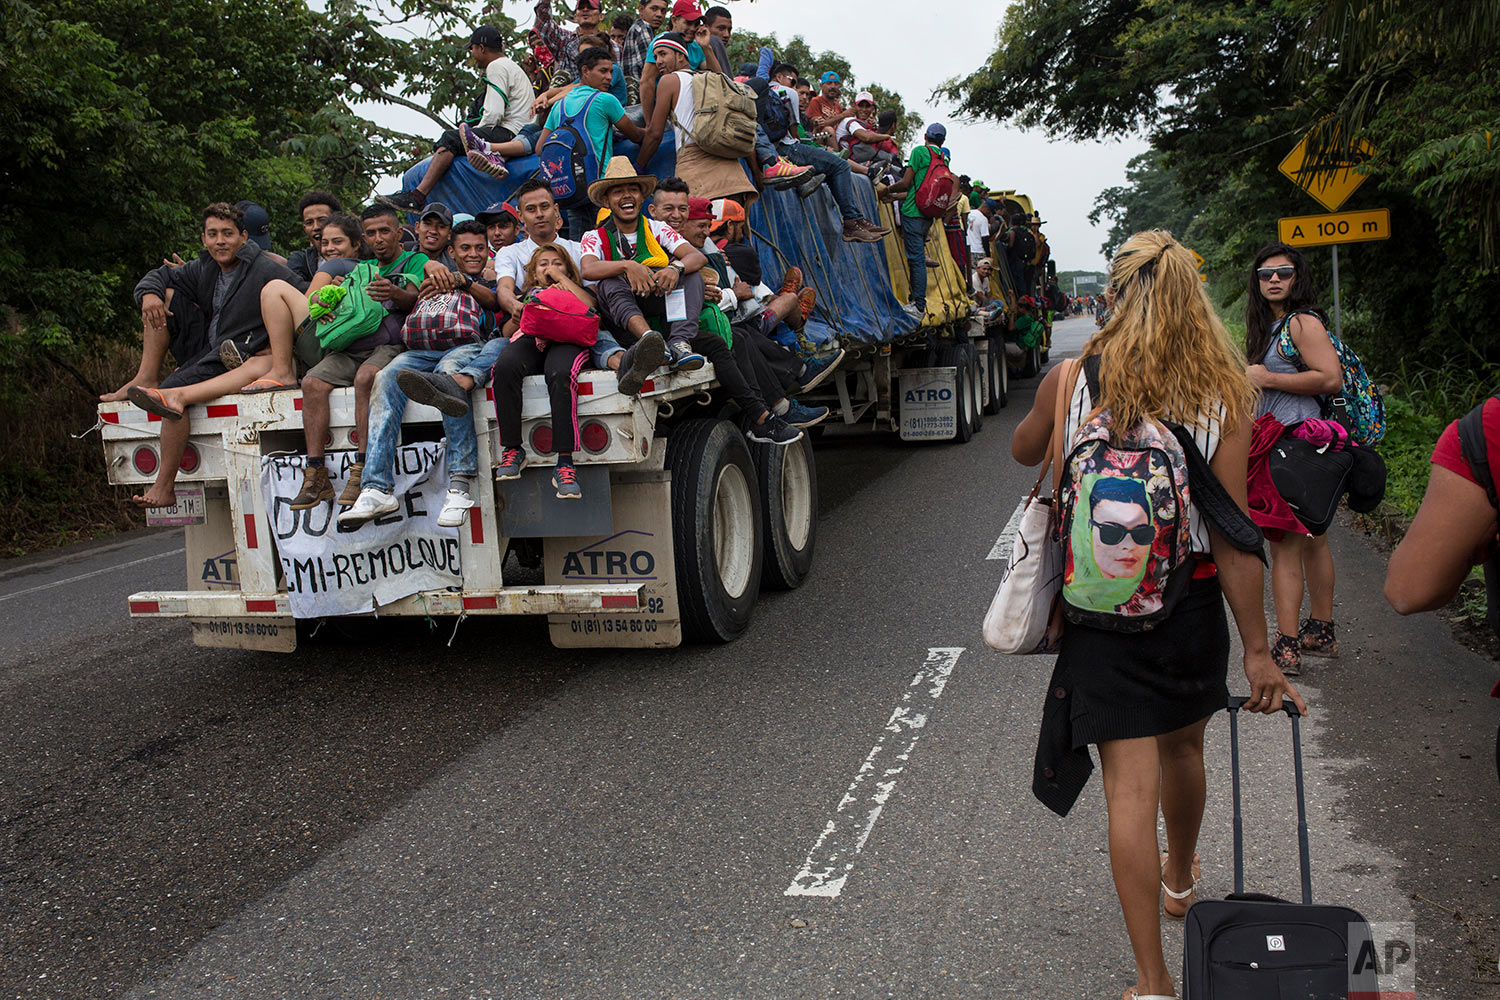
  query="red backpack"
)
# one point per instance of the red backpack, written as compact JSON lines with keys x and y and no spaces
{"x":939,"y":189}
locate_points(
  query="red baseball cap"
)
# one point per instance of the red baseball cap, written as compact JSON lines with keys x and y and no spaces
{"x":700,"y":208}
{"x":687,"y":9}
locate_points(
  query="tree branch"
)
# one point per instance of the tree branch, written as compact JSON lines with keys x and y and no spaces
{"x":389,"y":98}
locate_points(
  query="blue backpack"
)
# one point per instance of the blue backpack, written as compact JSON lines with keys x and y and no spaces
{"x":569,"y":158}
{"x":1358,"y":405}
{"x":770,"y":109}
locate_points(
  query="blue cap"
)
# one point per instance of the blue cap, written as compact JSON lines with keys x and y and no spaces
{"x":829,"y":77}
{"x":936,"y":132}
{"x":462,"y":217}
{"x":947,"y":155}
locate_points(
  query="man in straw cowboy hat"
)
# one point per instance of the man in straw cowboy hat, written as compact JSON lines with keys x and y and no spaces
{"x":642,"y":267}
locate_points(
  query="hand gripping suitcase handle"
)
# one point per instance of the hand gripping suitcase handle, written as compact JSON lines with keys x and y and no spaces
{"x":1235,"y":704}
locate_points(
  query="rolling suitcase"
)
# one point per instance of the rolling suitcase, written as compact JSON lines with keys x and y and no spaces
{"x":1250,"y":946}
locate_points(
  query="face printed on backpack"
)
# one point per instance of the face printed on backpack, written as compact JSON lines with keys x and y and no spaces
{"x":1112,"y":544}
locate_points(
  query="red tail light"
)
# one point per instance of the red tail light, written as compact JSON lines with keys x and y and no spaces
{"x":189,"y":459}
{"x":144,"y":460}
{"x":541,"y":439}
{"x":594,"y":437}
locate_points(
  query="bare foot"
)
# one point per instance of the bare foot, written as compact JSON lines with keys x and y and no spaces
{"x":119,"y":395}
{"x":157,"y":496}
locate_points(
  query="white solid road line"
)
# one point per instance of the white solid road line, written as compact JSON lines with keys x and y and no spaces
{"x":85,"y":576}
{"x":832,"y":856}
{"x":1001,"y":549}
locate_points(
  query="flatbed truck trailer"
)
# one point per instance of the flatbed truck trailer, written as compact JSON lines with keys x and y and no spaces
{"x":683,"y":520}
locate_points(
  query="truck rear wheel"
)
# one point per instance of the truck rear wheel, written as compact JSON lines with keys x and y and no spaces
{"x":716,"y":528}
{"x":976,"y":386}
{"x":1031,"y":362}
{"x":994,"y":376}
{"x":789,"y":511}
{"x":957,"y":357}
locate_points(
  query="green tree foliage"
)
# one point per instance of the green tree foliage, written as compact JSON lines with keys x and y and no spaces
{"x":745,"y":46}
{"x":1224,"y":90}
{"x":1150,"y":198}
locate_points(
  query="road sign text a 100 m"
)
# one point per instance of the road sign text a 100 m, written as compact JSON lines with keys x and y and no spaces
{"x":1340,"y":227}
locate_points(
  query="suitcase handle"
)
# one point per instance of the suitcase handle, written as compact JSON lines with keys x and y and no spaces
{"x":1235,"y":704}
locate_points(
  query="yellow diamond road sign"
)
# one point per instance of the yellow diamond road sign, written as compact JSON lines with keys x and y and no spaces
{"x":1198,"y":259}
{"x":1330,"y":187}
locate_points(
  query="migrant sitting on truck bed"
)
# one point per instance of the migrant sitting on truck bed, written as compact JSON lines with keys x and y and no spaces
{"x":683,"y":520}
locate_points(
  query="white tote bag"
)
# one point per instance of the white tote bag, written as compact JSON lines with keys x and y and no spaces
{"x":1023,"y":615}
{"x":1026,"y":613}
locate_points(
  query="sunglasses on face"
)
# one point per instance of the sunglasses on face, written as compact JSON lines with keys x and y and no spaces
{"x":1284,"y":272}
{"x":1111,"y":533}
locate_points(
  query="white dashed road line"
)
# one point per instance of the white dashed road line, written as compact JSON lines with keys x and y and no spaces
{"x":832,"y":856}
{"x":1001,"y":549}
{"x":85,"y":576}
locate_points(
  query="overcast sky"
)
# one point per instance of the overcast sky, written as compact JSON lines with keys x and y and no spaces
{"x":884,"y":43}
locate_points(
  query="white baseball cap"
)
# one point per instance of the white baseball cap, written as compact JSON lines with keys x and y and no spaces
{"x":864,"y":96}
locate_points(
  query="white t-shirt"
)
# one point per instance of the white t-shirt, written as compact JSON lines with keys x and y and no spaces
{"x":979,"y":229}
{"x":511,"y":261}
{"x":843,"y":134}
{"x":682,"y":112}
{"x":514,"y":109}
{"x":665,"y":235}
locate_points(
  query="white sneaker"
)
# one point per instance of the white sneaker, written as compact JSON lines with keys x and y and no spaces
{"x":455,"y":508}
{"x":914,"y":312}
{"x":370,"y":504}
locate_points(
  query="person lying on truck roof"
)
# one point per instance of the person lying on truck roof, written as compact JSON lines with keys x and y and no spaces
{"x":501,"y":106}
{"x":638,"y":265}
{"x":400,"y":275}
{"x":451,"y":330}
{"x":232,"y":293}
{"x":686,"y":25}
{"x":651,"y":14}
{"x":708,"y":175}
{"x":315,"y":208}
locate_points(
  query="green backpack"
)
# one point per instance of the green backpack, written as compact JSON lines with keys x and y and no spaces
{"x":354,"y":314}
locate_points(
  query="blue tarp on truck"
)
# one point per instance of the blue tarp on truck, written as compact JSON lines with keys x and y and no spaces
{"x":855,"y":296}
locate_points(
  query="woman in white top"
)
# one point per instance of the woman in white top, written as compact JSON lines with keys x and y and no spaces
{"x":1143,"y":698}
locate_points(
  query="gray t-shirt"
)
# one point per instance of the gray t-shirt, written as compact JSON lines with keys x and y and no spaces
{"x":1287,"y":407}
{"x":221,"y":287}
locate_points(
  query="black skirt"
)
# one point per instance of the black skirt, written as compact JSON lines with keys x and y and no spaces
{"x":1129,"y":685}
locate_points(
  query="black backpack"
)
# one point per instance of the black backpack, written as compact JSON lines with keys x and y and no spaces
{"x":770,"y":109}
{"x":1025,"y":246}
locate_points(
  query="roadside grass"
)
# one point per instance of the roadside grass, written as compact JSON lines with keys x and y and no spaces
{"x":53,"y":489}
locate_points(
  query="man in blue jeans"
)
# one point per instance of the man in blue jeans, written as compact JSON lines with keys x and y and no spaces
{"x":825,"y":166}
{"x":432,"y":346}
{"x":915,"y":225}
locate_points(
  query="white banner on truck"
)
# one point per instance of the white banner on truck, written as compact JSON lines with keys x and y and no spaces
{"x":334,"y":572}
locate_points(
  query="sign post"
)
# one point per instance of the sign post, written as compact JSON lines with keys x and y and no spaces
{"x":1331,"y":186}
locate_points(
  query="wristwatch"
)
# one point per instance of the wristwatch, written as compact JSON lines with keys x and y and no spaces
{"x":468,"y":280}
{"x":677,"y":264}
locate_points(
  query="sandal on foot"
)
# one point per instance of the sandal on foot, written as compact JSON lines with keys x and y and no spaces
{"x":267,"y":385}
{"x":1196,"y":871}
{"x":1132,"y":994}
{"x":152,"y":401}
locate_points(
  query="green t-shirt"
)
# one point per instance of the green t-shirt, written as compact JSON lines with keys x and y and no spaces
{"x":599,"y":123}
{"x":921,"y":159}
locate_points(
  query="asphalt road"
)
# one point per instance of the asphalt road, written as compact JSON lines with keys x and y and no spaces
{"x":401,"y":818}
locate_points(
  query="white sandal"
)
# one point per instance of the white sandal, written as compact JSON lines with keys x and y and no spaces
{"x":1131,"y":994}
{"x":1196,"y":871}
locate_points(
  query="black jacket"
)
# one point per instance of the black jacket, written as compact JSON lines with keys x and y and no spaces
{"x":1059,"y":772}
{"x":304,"y":264}
{"x":194,"y":281}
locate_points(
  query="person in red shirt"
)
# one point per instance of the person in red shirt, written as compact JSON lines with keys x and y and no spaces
{"x":826,"y":109}
{"x":1455,"y":530}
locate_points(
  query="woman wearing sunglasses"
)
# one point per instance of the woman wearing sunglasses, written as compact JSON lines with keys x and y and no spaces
{"x":1144,"y":697}
{"x":1282,"y":297}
